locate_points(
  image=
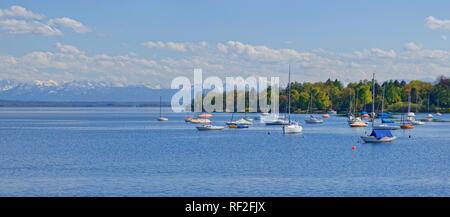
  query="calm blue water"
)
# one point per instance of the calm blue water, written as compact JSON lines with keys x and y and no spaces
{"x":125,"y":152}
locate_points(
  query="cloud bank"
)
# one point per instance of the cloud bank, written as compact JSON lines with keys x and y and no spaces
{"x":18,"y":20}
{"x":233,"y":58}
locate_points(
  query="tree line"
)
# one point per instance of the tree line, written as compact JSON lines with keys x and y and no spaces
{"x":357,"y":96}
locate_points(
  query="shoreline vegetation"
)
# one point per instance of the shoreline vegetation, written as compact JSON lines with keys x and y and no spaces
{"x":357,"y":96}
{"x":326,"y":96}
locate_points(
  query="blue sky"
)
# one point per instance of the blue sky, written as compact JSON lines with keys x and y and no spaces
{"x":322,"y":32}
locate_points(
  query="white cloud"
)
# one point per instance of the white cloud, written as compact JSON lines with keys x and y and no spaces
{"x":16,"y":11}
{"x":65,"y":48}
{"x":222,"y":48}
{"x":13,"y":26}
{"x":7,"y":61}
{"x":375,"y":53}
{"x":411,"y":46}
{"x":165,"y":45}
{"x":75,"y":25}
{"x":19,"y":20}
{"x":176,"y":46}
{"x":233,"y":58}
{"x":444,"y":37}
{"x":434,"y":23}
{"x":260,"y":52}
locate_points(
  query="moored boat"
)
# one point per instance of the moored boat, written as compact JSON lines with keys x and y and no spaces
{"x":209,"y":127}
{"x":379,"y":136}
{"x":357,"y":122}
{"x":292,"y":127}
{"x":237,"y":126}
{"x":314,"y":120}
{"x":276,"y":122}
{"x":161,"y":118}
{"x":407,"y":126}
{"x":200,"y":121}
{"x":386,"y":127}
{"x":417,"y":122}
{"x":188,"y":119}
{"x":332,"y":112}
{"x":241,"y":121}
{"x":205,"y":115}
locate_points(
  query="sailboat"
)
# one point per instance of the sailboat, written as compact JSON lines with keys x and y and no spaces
{"x":312,"y":119}
{"x":438,"y":108}
{"x":209,"y":127}
{"x":411,"y":116}
{"x":377,"y":135}
{"x":241,"y":123}
{"x":292,"y":126}
{"x":384,"y":126}
{"x":161,"y":118}
{"x":429,"y":115}
{"x":406,"y":122}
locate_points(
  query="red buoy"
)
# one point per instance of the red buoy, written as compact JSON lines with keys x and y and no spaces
{"x":354,"y":148}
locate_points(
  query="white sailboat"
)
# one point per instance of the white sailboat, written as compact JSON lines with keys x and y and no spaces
{"x":209,"y":127}
{"x":161,"y":118}
{"x":410,"y":114}
{"x":438,"y":108}
{"x":377,"y":135}
{"x":241,"y":121}
{"x":312,"y":119}
{"x":292,"y":126}
{"x":429,"y":117}
{"x":411,"y":117}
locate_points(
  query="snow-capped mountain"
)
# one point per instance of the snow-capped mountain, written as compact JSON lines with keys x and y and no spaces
{"x":81,"y":91}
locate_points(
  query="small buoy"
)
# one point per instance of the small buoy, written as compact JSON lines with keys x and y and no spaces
{"x":409,"y":136}
{"x":268,"y":133}
{"x":354,"y":148}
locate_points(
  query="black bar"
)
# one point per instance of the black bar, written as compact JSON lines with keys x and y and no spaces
{"x":271,"y":205}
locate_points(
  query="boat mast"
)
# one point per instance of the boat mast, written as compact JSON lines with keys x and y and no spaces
{"x":437,"y":108}
{"x":428,"y":103}
{"x":373,"y":98}
{"x":382,"y":101}
{"x":417,"y":101}
{"x":409,"y":102}
{"x":356,"y":101}
{"x":289,"y":97}
{"x":160,"y":104}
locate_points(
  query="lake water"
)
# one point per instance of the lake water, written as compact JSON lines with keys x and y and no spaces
{"x":126,"y":152}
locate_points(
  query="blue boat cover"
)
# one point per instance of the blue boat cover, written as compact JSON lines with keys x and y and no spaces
{"x":381,"y":133}
{"x":384,"y":115}
{"x":363,"y":113}
{"x":385,"y":121}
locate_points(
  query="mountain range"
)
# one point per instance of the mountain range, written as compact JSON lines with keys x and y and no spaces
{"x":80,"y":91}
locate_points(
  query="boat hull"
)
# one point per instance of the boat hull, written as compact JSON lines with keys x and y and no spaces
{"x":407,"y":126}
{"x":278,"y":122}
{"x":386,"y":127}
{"x":200,"y":121}
{"x":237,"y":126}
{"x":373,"y":139}
{"x":206,"y":128}
{"x":162,"y":119}
{"x":291,"y":129}
{"x":358,"y":125}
